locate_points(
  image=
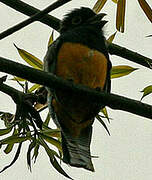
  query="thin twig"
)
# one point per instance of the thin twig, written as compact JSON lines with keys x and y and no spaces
{"x":50,"y":80}
{"x":35,"y":17}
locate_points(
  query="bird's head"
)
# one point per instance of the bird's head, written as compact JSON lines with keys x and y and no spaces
{"x":81,"y":17}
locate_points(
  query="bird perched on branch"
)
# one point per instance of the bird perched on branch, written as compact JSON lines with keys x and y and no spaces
{"x":79,"y":55}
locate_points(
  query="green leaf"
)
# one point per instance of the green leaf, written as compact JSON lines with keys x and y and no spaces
{"x":17,"y":79}
{"x":47,"y":120}
{"x":34,"y":87}
{"x":115,"y":1}
{"x":30,"y":59}
{"x":103,"y":124}
{"x":52,"y":141}
{"x":119,"y":71}
{"x":52,"y":158}
{"x":146,"y":8}
{"x":31,"y":146}
{"x":8,"y":148}
{"x":52,"y":132}
{"x":146,"y":91}
{"x":14,"y":139}
{"x":111,"y":38}
{"x":99,"y":5}
{"x":15,"y":158}
{"x":7,"y":118}
{"x":105,"y":113}
{"x":5,"y":131}
{"x":120,"y":18}
{"x":51,"y":39}
{"x":36,"y":152}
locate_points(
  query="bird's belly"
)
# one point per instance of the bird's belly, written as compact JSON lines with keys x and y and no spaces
{"x":82,"y":65}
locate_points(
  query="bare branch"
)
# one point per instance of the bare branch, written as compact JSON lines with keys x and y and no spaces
{"x":123,"y":52}
{"x":12,"y":92}
{"x":50,"y":80}
{"x":30,"y":11}
{"x":54,"y":23}
{"x":35,"y":17}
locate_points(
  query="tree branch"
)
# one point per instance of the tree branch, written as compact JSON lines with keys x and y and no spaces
{"x":123,"y":52}
{"x":35,"y":17}
{"x":54,"y":23}
{"x":24,"y":104}
{"x":50,"y":80}
{"x":12,"y":92}
{"x":30,"y":10}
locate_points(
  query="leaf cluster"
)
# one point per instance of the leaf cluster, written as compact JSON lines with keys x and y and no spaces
{"x":26,"y":124}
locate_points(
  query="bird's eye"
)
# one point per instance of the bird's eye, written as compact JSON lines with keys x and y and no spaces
{"x":76,"y":20}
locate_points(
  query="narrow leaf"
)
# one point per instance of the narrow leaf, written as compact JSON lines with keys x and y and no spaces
{"x":120,"y":18}
{"x":30,"y":59}
{"x":53,"y":160}
{"x":52,"y":132}
{"x":146,"y":8}
{"x":31,"y":146}
{"x":47,"y":120}
{"x":3,"y":79}
{"x":14,"y":139}
{"x":5,"y":131}
{"x":42,"y":142}
{"x":103,"y":124}
{"x":52,"y":141}
{"x":17,"y":79}
{"x":119,"y":71}
{"x":15,"y":158}
{"x":36,"y":152}
{"x":99,"y":5}
{"x":40,"y":107}
{"x":57,"y":166}
{"x":7,"y":118}
{"x":34,"y":87}
{"x":51,"y":39}
{"x":146,"y":91}
{"x":111,"y":38}
{"x":8,"y":148}
{"x":115,"y":1}
{"x":105,"y":113}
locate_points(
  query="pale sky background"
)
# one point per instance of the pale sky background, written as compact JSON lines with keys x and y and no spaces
{"x":127,"y":153}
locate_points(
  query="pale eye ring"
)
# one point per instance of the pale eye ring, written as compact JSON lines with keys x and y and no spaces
{"x":76,"y":20}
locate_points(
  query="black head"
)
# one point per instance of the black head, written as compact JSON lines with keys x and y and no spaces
{"x":80,"y":17}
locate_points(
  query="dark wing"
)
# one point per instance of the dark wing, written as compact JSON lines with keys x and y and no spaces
{"x":107,"y":87}
{"x":50,"y":61}
{"x":50,"y":58}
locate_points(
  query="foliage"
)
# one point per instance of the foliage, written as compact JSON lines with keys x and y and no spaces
{"x":26,"y":125}
{"x":25,"y":130}
{"x":121,"y":11}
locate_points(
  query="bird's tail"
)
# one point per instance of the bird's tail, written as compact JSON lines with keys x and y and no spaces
{"x":76,"y":150}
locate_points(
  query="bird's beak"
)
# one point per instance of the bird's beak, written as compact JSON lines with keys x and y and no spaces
{"x":97,"y":19}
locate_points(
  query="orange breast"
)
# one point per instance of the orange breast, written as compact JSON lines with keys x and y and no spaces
{"x":82,"y":65}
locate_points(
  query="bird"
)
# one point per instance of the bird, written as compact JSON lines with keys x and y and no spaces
{"x":80,"y":56}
